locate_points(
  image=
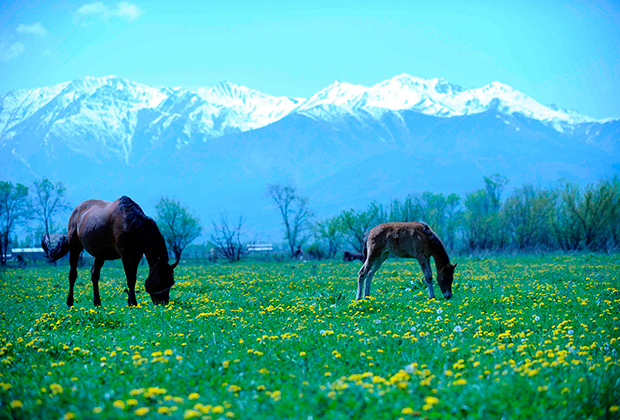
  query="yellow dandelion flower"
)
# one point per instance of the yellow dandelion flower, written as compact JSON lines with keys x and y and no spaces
{"x":16,"y":404}
{"x":431,"y":400}
{"x":141,"y":411}
{"x":119,"y":404}
{"x":193,"y":396}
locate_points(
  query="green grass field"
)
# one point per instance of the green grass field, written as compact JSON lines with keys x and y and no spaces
{"x":523,"y":338}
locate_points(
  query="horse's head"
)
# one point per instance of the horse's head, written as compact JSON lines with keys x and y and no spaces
{"x":159,"y":282}
{"x":444,"y":278}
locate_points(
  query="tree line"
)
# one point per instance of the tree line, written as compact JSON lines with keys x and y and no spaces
{"x":567,"y":216}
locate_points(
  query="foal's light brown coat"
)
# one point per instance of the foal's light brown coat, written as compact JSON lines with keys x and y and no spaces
{"x":406,"y":240}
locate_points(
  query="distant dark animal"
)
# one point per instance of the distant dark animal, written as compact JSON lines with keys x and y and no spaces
{"x":352,"y":256}
{"x":299,"y":254}
{"x":406,"y":240}
{"x":110,"y":230}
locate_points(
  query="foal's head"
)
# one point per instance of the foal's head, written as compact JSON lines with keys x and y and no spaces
{"x":159,"y":282}
{"x":444,"y":278}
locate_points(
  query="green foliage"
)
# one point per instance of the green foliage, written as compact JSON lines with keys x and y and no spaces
{"x":328,"y":237}
{"x":523,"y":338}
{"x":177,"y":224}
{"x":13,"y":210}
{"x":48,"y":201}
{"x":528,"y":213}
{"x":569,"y":217}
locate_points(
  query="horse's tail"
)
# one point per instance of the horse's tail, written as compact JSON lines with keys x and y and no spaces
{"x":59,"y":250}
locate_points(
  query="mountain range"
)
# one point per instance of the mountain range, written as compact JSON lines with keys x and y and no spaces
{"x":216,"y":148}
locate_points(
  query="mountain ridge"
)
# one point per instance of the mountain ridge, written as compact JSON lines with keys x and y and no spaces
{"x":216,"y":148}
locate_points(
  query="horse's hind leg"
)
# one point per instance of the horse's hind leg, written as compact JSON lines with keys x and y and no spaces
{"x":74,"y":257}
{"x":131,"y":271}
{"x":95,"y":275}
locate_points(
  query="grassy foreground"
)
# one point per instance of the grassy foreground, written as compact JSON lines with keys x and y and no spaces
{"x":523,"y":338}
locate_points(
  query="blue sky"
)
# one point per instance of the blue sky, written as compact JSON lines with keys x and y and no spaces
{"x":561,"y":52}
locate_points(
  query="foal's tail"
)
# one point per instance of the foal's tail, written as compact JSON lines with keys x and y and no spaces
{"x":60,"y":249}
{"x":365,"y":248}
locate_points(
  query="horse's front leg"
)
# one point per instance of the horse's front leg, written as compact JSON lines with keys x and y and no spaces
{"x":74,"y":256}
{"x":428,"y":275}
{"x":95,"y":273}
{"x":130,"y":265}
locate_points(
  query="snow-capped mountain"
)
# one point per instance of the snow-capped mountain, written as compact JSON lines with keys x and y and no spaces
{"x":217,"y":147}
{"x":437,"y":97}
{"x":108,"y":109}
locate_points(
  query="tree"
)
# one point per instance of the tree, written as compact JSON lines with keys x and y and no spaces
{"x":483,"y":227}
{"x":529,"y":213}
{"x":329,"y":232}
{"x":355,"y":225}
{"x":593,"y":210}
{"x":441,"y":213}
{"x":48,"y":200}
{"x":227,"y":237}
{"x":177,"y":224}
{"x":295,"y":214}
{"x":13,"y":208}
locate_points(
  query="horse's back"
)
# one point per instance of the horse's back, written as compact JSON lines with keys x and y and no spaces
{"x":95,"y":224}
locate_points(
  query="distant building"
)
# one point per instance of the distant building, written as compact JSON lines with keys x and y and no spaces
{"x":32,"y":254}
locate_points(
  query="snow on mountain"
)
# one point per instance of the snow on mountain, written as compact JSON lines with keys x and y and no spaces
{"x":109,"y":112}
{"x":435,"y":97}
{"x":244,"y":108}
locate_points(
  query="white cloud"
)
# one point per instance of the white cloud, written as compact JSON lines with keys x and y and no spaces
{"x":128,"y":11}
{"x":33,"y":29}
{"x":123,"y":10}
{"x":10,"y":50}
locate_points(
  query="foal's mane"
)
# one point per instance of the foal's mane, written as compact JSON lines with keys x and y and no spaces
{"x":436,"y":244}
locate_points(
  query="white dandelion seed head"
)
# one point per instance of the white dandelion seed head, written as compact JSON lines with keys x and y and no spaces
{"x":409,"y":369}
{"x":377,"y":321}
{"x":322,"y":332}
{"x":439,"y":311}
{"x":458,"y":329}
{"x":439,"y":318}
{"x":570,"y":332}
{"x":536,"y":318}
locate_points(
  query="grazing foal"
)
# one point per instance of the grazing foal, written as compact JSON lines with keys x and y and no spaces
{"x":406,"y":240}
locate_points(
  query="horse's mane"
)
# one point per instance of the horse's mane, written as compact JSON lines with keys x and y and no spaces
{"x":134,"y":216}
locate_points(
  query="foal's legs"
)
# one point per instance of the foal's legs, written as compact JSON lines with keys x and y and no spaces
{"x":130,"y":264}
{"x":367,"y":272}
{"x":428,"y":275}
{"x":95,"y":273}
{"x":74,"y":256}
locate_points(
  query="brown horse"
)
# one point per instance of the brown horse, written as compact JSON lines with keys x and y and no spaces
{"x":406,"y":240}
{"x":110,"y":230}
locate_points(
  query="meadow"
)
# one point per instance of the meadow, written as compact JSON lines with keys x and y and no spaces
{"x":527,"y":337}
